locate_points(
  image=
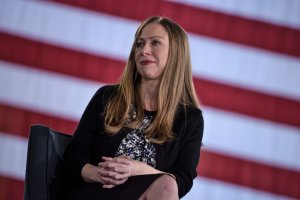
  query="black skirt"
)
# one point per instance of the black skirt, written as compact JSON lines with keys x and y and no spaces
{"x":132,"y":189}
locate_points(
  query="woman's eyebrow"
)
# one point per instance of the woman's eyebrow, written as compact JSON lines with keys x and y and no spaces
{"x":152,"y":37}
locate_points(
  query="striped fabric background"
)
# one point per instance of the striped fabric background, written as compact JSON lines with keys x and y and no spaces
{"x":54,"y":55}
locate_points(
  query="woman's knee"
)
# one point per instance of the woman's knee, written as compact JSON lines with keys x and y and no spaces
{"x":167,"y":186}
{"x":164,"y":188}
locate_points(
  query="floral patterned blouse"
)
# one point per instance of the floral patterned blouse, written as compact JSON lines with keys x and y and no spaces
{"x":136,"y":145}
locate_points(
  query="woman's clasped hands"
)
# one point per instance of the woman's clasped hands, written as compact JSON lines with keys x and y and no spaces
{"x":115,"y":171}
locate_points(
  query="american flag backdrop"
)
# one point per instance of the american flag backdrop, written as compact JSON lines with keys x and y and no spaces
{"x":54,"y":55}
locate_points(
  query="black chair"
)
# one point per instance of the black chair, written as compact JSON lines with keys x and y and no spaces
{"x":43,"y":178}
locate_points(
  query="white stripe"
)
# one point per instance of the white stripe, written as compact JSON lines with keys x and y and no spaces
{"x":204,"y":188}
{"x":251,"y":138}
{"x":43,"y":91}
{"x":242,"y":136}
{"x":13,"y":154}
{"x":68,"y":26}
{"x":111,"y":36}
{"x":245,"y":67}
{"x":286,"y":13}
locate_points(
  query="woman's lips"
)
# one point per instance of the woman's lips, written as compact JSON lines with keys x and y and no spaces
{"x":146,"y":62}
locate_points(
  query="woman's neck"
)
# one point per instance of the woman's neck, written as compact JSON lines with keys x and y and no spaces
{"x":149,"y":94}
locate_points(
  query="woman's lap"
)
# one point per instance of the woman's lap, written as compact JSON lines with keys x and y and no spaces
{"x":133,"y":188}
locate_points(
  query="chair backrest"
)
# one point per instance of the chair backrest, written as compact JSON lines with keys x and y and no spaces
{"x":43,"y":178}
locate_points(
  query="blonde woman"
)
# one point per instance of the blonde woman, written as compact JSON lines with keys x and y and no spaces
{"x":141,"y":138}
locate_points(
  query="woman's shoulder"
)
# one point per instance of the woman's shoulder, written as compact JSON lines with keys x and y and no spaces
{"x":189,"y":115}
{"x":105,"y":93}
{"x":189,"y":111}
{"x":107,"y":89}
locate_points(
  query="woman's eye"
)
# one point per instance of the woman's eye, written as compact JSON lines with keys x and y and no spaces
{"x":155,"y":42}
{"x":139,"y":44}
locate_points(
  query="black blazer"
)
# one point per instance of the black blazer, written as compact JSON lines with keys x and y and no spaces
{"x":179,"y":157}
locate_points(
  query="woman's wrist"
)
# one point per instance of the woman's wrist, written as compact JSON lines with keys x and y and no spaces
{"x":87,"y":173}
{"x":147,"y":169}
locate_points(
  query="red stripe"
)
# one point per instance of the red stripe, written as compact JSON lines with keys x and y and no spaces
{"x":205,"y":22}
{"x":249,"y":102}
{"x":18,"y":121}
{"x":212,"y":165}
{"x":48,"y":57}
{"x":11,"y":188}
{"x":249,"y":173}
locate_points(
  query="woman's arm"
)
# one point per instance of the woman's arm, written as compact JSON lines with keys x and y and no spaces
{"x":79,"y":150}
{"x":185,"y":166}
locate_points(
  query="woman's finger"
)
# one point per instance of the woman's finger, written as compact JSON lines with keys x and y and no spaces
{"x":109,"y":181}
{"x":108,"y":186}
{"x":120,"y":159}
{"x":106,"y":158}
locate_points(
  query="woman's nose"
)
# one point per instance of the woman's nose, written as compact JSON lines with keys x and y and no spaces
{"x":146,"y":50}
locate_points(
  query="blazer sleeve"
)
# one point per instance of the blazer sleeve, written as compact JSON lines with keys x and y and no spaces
{"x":79,"y":150}
{"x":185,"y":166}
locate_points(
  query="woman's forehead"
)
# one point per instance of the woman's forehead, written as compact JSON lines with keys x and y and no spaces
{"x":153,"y":30}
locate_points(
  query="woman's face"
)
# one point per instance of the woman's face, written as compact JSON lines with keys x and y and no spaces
{"x":152,"y":50}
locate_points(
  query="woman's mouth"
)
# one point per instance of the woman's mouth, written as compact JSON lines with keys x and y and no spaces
{"x":146,"y":62}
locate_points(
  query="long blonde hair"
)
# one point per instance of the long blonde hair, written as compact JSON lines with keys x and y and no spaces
{"x":175,"y":87}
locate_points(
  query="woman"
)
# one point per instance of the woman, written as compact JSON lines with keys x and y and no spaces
{"x":141,"y":138}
